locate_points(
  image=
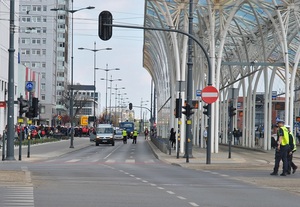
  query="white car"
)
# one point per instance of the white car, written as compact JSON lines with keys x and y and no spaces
{"x":118,"y":134}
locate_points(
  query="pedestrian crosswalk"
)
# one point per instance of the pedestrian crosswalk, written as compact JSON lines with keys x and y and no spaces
{"x":102,"y":161}
{"x":18,"y":196}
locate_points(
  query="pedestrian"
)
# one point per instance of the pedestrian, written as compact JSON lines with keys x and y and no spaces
{"x":172,"y":138}
{"x":205,"y":135}
{"x":135,"y":134}
{"x":146,"y":132}
{"x":124,"y":134}
{"x":292,"y":149}
{"x":281,"y":150}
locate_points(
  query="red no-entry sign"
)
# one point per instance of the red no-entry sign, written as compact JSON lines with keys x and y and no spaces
{"x":210,"y":94}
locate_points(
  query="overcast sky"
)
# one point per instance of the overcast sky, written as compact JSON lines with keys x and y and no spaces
{"x":126,"y":52}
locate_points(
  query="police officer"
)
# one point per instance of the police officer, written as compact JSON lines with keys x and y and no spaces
{"x":124,"y":134}
{"x":281,"y":149}
{"x":292,"y":149}
{"x":135,"y":134}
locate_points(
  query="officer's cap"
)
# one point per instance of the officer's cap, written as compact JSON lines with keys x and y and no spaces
{"x":280,"y":121}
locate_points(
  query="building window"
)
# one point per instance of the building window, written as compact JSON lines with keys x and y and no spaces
{"x":43,"y":86}
{"x":36,"y":8}
{"x":25,"y":41}
{"x":44,"y":40}
{"x":36,"y":19}
{"x":26,"y":19}
{"x":43,"y":97}
{"x":36,"y":41}
{"x":25,"y":51}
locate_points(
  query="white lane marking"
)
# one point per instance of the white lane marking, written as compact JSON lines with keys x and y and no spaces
{"x":138,"y":178}
{"x":193,"y":204}
{"x":171,"y":192}
{"x":161,"y":188}
{"x":112,"y":152}
{"x":182,"y":198}
{"x":223,"y":175}
{"x":72,"y":161}
{"x":149,"y":161}
{"x":110,"y":161}
{"x":132,"y":176}
{"x":152,"y":184}
{"x":144,"y":181}
{"x":130,"y":161}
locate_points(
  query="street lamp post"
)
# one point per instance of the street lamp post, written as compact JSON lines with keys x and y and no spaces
{"x":111,"y":80}
{"x":95,"y":51}
{"x":141,"y":113}
{"x":72,"y":11}
{"x":106,"y":70}
{"x":116,"y":88}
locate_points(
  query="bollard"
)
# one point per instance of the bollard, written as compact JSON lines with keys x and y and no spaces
{"x":28,"y":148}
{"x":3,"y":145}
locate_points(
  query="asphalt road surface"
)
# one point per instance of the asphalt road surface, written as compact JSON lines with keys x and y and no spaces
{"x":129,"y":175}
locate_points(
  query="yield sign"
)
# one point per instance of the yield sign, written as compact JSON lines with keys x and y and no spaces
{"x":209,"y":94}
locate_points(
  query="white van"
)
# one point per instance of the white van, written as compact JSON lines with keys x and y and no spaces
{"x":104,"y":134}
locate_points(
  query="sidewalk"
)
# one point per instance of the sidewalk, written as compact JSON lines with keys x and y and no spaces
{"x":248,"y":157}
{"x":48,"y":150}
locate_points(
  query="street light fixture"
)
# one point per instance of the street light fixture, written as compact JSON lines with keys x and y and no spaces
{"x":111,"y":80}
{"x":106,"y":70}
{"x":72,"y":11}
{"x":95,"y":51}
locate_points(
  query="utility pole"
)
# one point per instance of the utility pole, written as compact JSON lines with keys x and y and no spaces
{"x":11,"y":86}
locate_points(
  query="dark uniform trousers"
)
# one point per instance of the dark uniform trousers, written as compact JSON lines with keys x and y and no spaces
{"x":281,"y":155}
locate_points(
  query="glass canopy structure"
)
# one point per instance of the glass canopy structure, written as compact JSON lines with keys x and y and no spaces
{"x":253,"y":46}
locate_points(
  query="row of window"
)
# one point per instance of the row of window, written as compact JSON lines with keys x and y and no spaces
{"x":33,"y":19}
{"x":33,"y":51}
{"x":28,"y":8}
{"x":35,"y":41}
{"x":38,"y":30}
{"x":35,"y":65}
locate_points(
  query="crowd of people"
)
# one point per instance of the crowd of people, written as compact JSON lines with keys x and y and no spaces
{"x":42,"y":131}
{"x":285,"y":146}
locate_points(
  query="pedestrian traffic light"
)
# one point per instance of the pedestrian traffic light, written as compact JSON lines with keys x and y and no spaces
{"x":232,"y":111}
{"x":188,"y":109}
{"x":205,"y":110}
{"x":178,"y":108}
{"x":130,"y":106}
{"x":104,"y":31}
{"x":23,"y":106}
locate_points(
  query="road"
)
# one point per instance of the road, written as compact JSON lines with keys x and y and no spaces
{"x":129,"y":175}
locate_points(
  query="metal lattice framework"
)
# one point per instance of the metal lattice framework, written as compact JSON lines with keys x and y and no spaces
{"x":253,"y":46}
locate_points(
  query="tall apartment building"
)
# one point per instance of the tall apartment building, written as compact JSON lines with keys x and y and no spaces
{"x":43,"y":47}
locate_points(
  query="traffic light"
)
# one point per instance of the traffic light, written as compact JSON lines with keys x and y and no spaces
{"x":232,"y":111}
{"x":35,"y":106}
{"x":33,"y":110}
{"x":23,"y":106}
{"x":205,"y":110}
{"x":130,"y":106}
{"x":188,"y":109}
{"x":178,"y":108}
{"x":105,"y":32}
